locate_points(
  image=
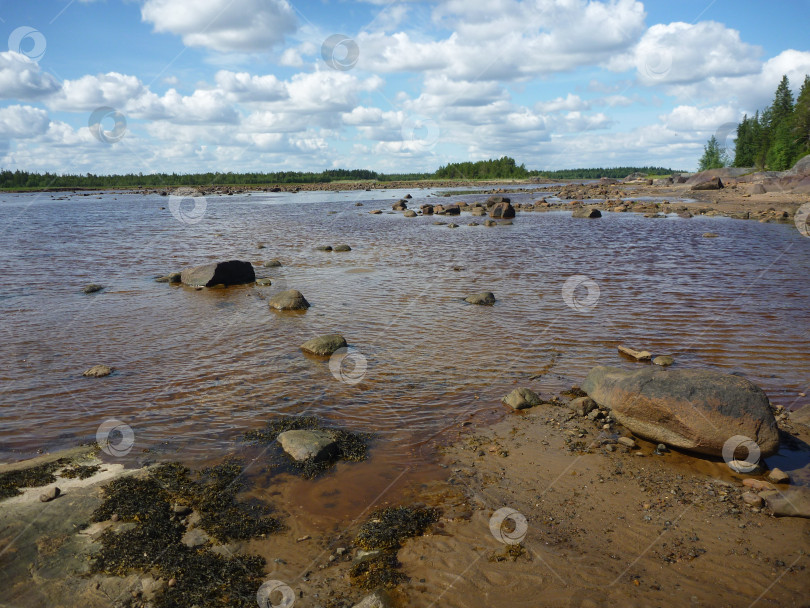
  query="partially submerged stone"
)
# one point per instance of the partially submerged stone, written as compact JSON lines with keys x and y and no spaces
{"x":663,"y":360}
{"x":342,"y":247}
{"x":486,"y":298}
{"x":291,"y":299}
{"x":638,"y":355}
{"x":98,"y":371}
{"x":793,"y":502}
{"x":172,"y":277}
{"x":522,"y":398}
{"x":324,"y":346}
{"x":233,"y":272}
{"x":586,"y":212}
{"x":93,"y":288}
{"x":310,"y":443}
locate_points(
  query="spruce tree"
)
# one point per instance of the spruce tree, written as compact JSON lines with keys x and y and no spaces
{"x":801,"y":120}
{"x":713,"y":157}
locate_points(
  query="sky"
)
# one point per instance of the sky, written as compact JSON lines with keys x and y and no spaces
{"x":117,"y":86}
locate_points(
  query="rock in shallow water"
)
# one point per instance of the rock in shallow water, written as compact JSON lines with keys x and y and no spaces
{"x":324,"y":345}
{"x":292,"y":299}
{"x":233,"y":272}
{"x":305,"y":444}
{"x":522,"y":398}
{"x":93,"y":288}
{"x":696,"y":410}
{"x":584,"y":212}
{"x":486,"y":298}
{"x":98,"y":371}
{"x":794,"y":502}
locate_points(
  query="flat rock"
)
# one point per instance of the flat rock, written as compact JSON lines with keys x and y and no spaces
{"x":757,"y":484}
{"x":793,"y":502}
{"x":291,"y":299}
{"x":93,"y":288}
{"x":378,"y":599}
{"x":521,"y":398}
{"x":710,"y":235}
{"x":663,"y":360}
{"x":323,"y":248}
{"x":486,"y":298}
{"x":233,"y":272}
{"x":342,"y":247}
{"x":586,"y":212}
{"x":627,"y":442}
{"x":690,"y":409}
{"x":306,"y":444}
{"x":98,"y":371}
{"x":324,"y":345}
{"x":638,"y":355}
{"x":709,"y":184}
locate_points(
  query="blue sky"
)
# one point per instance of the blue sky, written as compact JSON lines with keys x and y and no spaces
{"x":255,"y":85}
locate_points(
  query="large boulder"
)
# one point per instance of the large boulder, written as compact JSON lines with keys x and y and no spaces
{"x":792,"y":502}
{"x":234,"y":272}
{"x":802,"y":167}
{"x":502,"y":211}
{"x":306,"y":444}
{"x":691,"y":409}
{"x":586,"y":212}
{"x":292,"y":299}
{"x":324,"y":346}
{"x":709,"y":184}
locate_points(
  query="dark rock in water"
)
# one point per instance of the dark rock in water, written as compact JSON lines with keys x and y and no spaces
{"x":323,"y":248}
{"x":305,"y":444}
{"x":522,"y":398}
{"x":490,"y":223}
{"x":401,"y":205}
{"x":93,"y":288}
{"x":452,"y":225}
{"x":586,"y":212}
{"x":427,"y":209}
{"x":292,"y":299}
{"x":233,"y":272}
{"x":709,"y":184}
{"x":452,"y":210}
{"x":502,"y":211}
{"x":407,"y":196}
{"x":343,"y":247}
{"x":486,"y":298}
{"x":324,"y":345}
{"x":172,"y":277}
{"x":494,"y":200}
{"x":409,"y":213}
{"x":98,"y":371}
{"x":696,"y":410}
{"x":272,"y":264}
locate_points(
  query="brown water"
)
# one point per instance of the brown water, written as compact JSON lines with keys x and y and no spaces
{"x":198,"y":368}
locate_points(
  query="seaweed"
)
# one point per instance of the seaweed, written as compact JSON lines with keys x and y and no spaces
{"x":574,"y":392}
{"x":80,"y":470}
{"x":34,"y":477}
{"x":350,"y":446}
{"x":379,"y":571}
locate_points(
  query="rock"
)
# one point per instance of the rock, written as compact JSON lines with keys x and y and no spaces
{"x":196,"y":537}
{"x":292,"y":299}
{"x":746,"y":467}
{"x":401,"y":205}
{"x":710,"y":235}
{"x":490,"y":223}
{"x":272,"y":264}
{"x":662,"y":448}
{"x":324,"y":346}
{"x":521,"y":398}
{"x":172,"y":277}
{"x":663,"y":360}
{"x":627,"y":442}
{"x":306,"y":444}
{"x":409,"y":213}
{"x":586,"y":212}
{"x":233,"y":272}
{"x":486,"y":298}
{"x":756,"y":189}
{"x":452,"y":210}
{"x":452,"y":225}
{"x":495,"y":200}
{"x":778,"y":476}
{"x":690,"y":409}
{"x":376,"y":212}
{"x":751,"y":499}
{"x":793,"y":502}
{"x":709,"y":184}
{"x":264,"y":282}
{"x":638,"y":355}
{"x":427,"y":209}
{"x":93,"y":288}
{"x":50,"y":494}
{"x":342,"y":247}
{"x":407,"y":197}
{"x":582,"y":405}
{"x":478,"y":211}
{"x":502,"y":211}
{"x":323,"y":248}
{"x":757,"y":484}
{"x":378,"y":599}
{"x":98,"y":371}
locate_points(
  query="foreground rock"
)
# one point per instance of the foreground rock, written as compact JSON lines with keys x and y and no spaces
{"x":305,"y":444}
{"x":292,"y":299}
{"x":324,"y":346}
{"x":696,"y":410}
{"x":793,"y":502}
{"x":521,"y":399}
{"x":584,"y":212}
{"x":233,"y":272}
{"x":98,"y":371}
{"x":486,"y":298}
{"x":502,"y":211}
{"x":709,"y":184}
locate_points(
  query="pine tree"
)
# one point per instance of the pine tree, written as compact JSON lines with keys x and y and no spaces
{"x":713,"y":157}
{"x":801,"y":120}
{"x":745,"y":145}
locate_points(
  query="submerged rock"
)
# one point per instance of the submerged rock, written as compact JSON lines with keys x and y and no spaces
{"x":98,"y":371}
{"x":305,"y":444}
{"x":486,"y":298}
{"x":638,"y":355}
{"x":233,"y":272}
{"x":324,"y":345}
{"x":93,"y":288}
{"x":342,"y":247}
{"x":292,"y":299}
{"x":172,"y":277}
{"x":696,"y":410}
{"x":409,"y":213}
{"x":521,"y":398}
{"x":793,"y":502}
{"x":663,"y":360}
{"x":275,"y":263}
{"x":585,"y":212}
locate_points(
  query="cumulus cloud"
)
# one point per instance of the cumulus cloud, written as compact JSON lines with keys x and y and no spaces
{"x":570,"y":103}
{"x":223,"y":25}
{"x":22,"y":122}
{"x":22,"y":79}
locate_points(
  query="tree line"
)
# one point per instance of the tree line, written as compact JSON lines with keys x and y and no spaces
{"x":773,"y":139}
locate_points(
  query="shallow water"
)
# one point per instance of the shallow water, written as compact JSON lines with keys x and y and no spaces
{"x":198,"y":368}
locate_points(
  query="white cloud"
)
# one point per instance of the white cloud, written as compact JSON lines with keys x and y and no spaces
{"x":693,"y":118}
{"x":22,"y":79}
{"x":223,"y":25}
{"x":90,"y":92}
{"x":22,"y":122}
{"x":570,"y":103}
{"x":244,"y":87}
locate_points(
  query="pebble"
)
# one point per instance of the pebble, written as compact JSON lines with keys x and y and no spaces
{"x":172,"y":582}
{"x":628,"y":442}
{"x":752,"y":499}
{"x":49,"y":495}
{"x":303,"y":538}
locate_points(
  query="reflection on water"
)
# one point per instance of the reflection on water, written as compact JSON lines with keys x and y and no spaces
{"x":195,"y":369}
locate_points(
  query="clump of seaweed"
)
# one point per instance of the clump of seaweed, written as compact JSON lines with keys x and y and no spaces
{"x":34,"y":477}
{"x":350,"y":446}
{"x":385,"y":532}
{"x":82,"y":471}
{"x":509,"y":552}
{"x":574,"y":392}
{"x":202,"y":577}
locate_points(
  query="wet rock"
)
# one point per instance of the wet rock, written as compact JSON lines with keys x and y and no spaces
{"x":407,"y":197}
{"x":291,"y":299}
{"x":778,"y":476}
{"x":323,"y":248}
{"x":582,"y":405}
{"x":93,"y":288}
{"x":233,"y":272}
{"x":452,"y":225}
{"x":758,"y":484}
{"x":305,"y":444}
{"x":98,"y":371}
{"x":427,"y":209}
{"x":709,"y":184}
{"x":172,"y":277}
{"x":486,"y":298}
{"x":496,"y":200}
{"x":751,"y":499}
{"x":378,"y":599}
{"x":502,"y":211}
{"x":324,"y":346}
{"x":628,"y":442}
{"x":638,"y":355}
{"x":452,"y":210}
{"x":586,"y":212}
{"x":521,"y":398}
{"x":342,"y":247}
{"x":490,"y":223}
{"x":409,"y":213}
{"x":50,"y":494}
{"x":264,"y":282}
{"x":478,"y":211}
{"x":663,"y":360}
{"x":401,"y":205}
{"x":696,"y":410}
{"x":793,"y":502}
{"x":710,"y":235}
{"x":272,"y":264}
{"x":376,"y":212}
